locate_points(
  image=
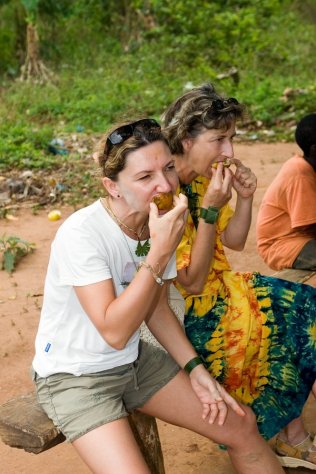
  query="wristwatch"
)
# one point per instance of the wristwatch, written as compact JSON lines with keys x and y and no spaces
{"x":210,"y":215}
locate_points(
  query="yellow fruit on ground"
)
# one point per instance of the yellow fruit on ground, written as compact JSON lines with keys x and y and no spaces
{"x":54,"y":215}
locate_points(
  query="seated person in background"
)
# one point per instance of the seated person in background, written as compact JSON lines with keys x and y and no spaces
{"x":286,"y":222}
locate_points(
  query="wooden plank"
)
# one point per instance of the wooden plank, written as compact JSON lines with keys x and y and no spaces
{"x":24,"y":425}
{"x":297,"y":470}
{"x":300,"y":276}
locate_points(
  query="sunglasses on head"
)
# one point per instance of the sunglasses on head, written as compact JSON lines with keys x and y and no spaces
{"x":126,"y":131}
{"x":220,"y":104}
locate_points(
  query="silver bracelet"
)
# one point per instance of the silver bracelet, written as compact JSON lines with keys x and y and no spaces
{"x":157,"y":278}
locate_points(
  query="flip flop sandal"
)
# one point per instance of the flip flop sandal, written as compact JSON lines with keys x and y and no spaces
{"x":300,"y":455}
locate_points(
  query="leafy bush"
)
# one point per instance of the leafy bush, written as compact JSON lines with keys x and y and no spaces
{"x":115,"y":58}
{"x":13,"y":249}
{"x":22,"y":146}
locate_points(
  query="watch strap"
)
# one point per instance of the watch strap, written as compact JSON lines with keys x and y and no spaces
{"x":210,"y":215}
{"x":189,"y":366}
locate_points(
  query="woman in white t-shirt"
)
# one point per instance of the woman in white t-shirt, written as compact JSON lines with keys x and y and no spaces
{"x":109,"y":270}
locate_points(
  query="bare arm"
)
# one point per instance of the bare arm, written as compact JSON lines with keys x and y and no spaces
{"x":219,"y":192}
{"x":245,"y":184}
{"x":117,"y":318}
{"x":193,"y":277}
{"x":236,"y":232}
{"x":167,"y":330}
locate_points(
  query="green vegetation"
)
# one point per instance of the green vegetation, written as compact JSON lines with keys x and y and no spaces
{"x":110,"y":58}
{"x":13,"y":249}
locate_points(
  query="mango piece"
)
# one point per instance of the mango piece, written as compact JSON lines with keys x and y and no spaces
{"x":163,"y":201}
{"x":226,"y":163}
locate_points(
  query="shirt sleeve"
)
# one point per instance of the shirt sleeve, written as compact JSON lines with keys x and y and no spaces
{"x":80,"y":258}
{"x":300,"y":194}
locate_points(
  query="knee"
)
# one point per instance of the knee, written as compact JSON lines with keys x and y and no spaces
{"x":251,"y":418}
{"x":249,"y":421}
{"x":245,"y":428}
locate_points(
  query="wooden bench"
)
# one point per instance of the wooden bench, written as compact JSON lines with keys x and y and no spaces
{"x":299,"y":276}
{"x":24,"y":425}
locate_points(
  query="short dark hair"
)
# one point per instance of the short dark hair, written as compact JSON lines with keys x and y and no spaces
{"x":305,"y":133}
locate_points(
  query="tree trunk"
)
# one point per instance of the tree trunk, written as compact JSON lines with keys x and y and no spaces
{"x":33,"y":69}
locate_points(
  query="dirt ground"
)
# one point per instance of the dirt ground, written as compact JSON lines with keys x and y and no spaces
{"x":20,"y":304}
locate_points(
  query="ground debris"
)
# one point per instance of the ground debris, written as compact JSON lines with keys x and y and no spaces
{"x":72,"y":179}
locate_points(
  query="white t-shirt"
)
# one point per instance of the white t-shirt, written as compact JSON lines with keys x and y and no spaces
{"x":89,"y":247}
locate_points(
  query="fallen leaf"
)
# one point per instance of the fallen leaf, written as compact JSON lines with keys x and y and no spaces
{"x":10,"y":217}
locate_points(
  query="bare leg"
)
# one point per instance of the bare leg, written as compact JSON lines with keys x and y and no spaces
{"x":176,"y":403}
{"x":294,"y":433}
{"x":111,"y":449}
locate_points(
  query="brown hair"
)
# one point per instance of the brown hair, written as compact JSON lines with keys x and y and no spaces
{"x":192,"y":113}
{"x":112,"y":159}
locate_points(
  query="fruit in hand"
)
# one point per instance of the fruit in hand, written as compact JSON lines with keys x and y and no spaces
{"x":163,"y":201}
{"x":226,"y":163}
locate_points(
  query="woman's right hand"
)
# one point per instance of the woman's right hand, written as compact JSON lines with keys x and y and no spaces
{"x":166,"y":230}
{"x":213,"y":396}
{"x":219,"y":190}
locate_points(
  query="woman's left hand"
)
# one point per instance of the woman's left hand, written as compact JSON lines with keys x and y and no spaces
{"x":214,"y":398}
{"x":244,"y":180}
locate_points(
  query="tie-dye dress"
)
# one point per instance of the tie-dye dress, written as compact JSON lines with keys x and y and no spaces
{"x":256,"y":334}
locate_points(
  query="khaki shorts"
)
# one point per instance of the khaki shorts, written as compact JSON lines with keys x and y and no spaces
{"x":79,"y":404}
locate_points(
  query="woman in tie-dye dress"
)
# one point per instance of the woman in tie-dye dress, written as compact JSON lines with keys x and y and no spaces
{"x":256,"y":334}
